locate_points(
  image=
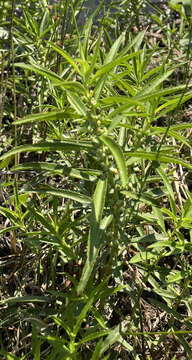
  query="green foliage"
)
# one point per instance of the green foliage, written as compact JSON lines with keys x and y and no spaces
{"x":96,"y":200}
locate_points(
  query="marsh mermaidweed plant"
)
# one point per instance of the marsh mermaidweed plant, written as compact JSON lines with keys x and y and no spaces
{"x":96,"y":211}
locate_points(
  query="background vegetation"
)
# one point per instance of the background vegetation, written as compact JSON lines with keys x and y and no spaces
{"x":95,"y":188}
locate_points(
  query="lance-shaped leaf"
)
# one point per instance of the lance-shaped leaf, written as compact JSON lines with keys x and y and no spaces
{"x":48,"y":146}
{"x":49,"y":190}
{"x":159,"y":157}
{"x":151,"y":86}
{"x":26,"y":299}
{"x":52,"y":168}
{"x":49,"y":116}
{"x":11,"y":215}
{"x":66,"y":56}
{"x":108,"y":66}
{"x":99,"y":199}
{"x":92,"y":296}
{"x":94,"y":58}
{"x":96,"y":232}
{"x":115,"y":336}
{"x":48,"y":74}
{"x":118,"y":156}
{"x":76,"y":103}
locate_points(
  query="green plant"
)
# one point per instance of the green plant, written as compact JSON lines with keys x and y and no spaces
{"x":96,"y":191}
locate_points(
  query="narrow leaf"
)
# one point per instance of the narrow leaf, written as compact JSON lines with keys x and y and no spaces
{"x":11,"y":215}
{"x":161,"y":172}
{"x":76,"y":103}
{"x":83,"y":199}
{"x":114,"y":336}
{"x":48,"y":146}
{"x":88,"y":305}
{"x":161,"y":157}
{"x":95,"y":233}
{"x":50,"y":116}
{"x":99,"y":198}
{"x":65,"y":55}
{"x":40,"y":70}
{"x":80,"y":173}
{"x":118,"y":156}
{"x":149,"y":88}
{"x":114,"y":49}
{"x":26,"y":299}
{"x":107,"y":67}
